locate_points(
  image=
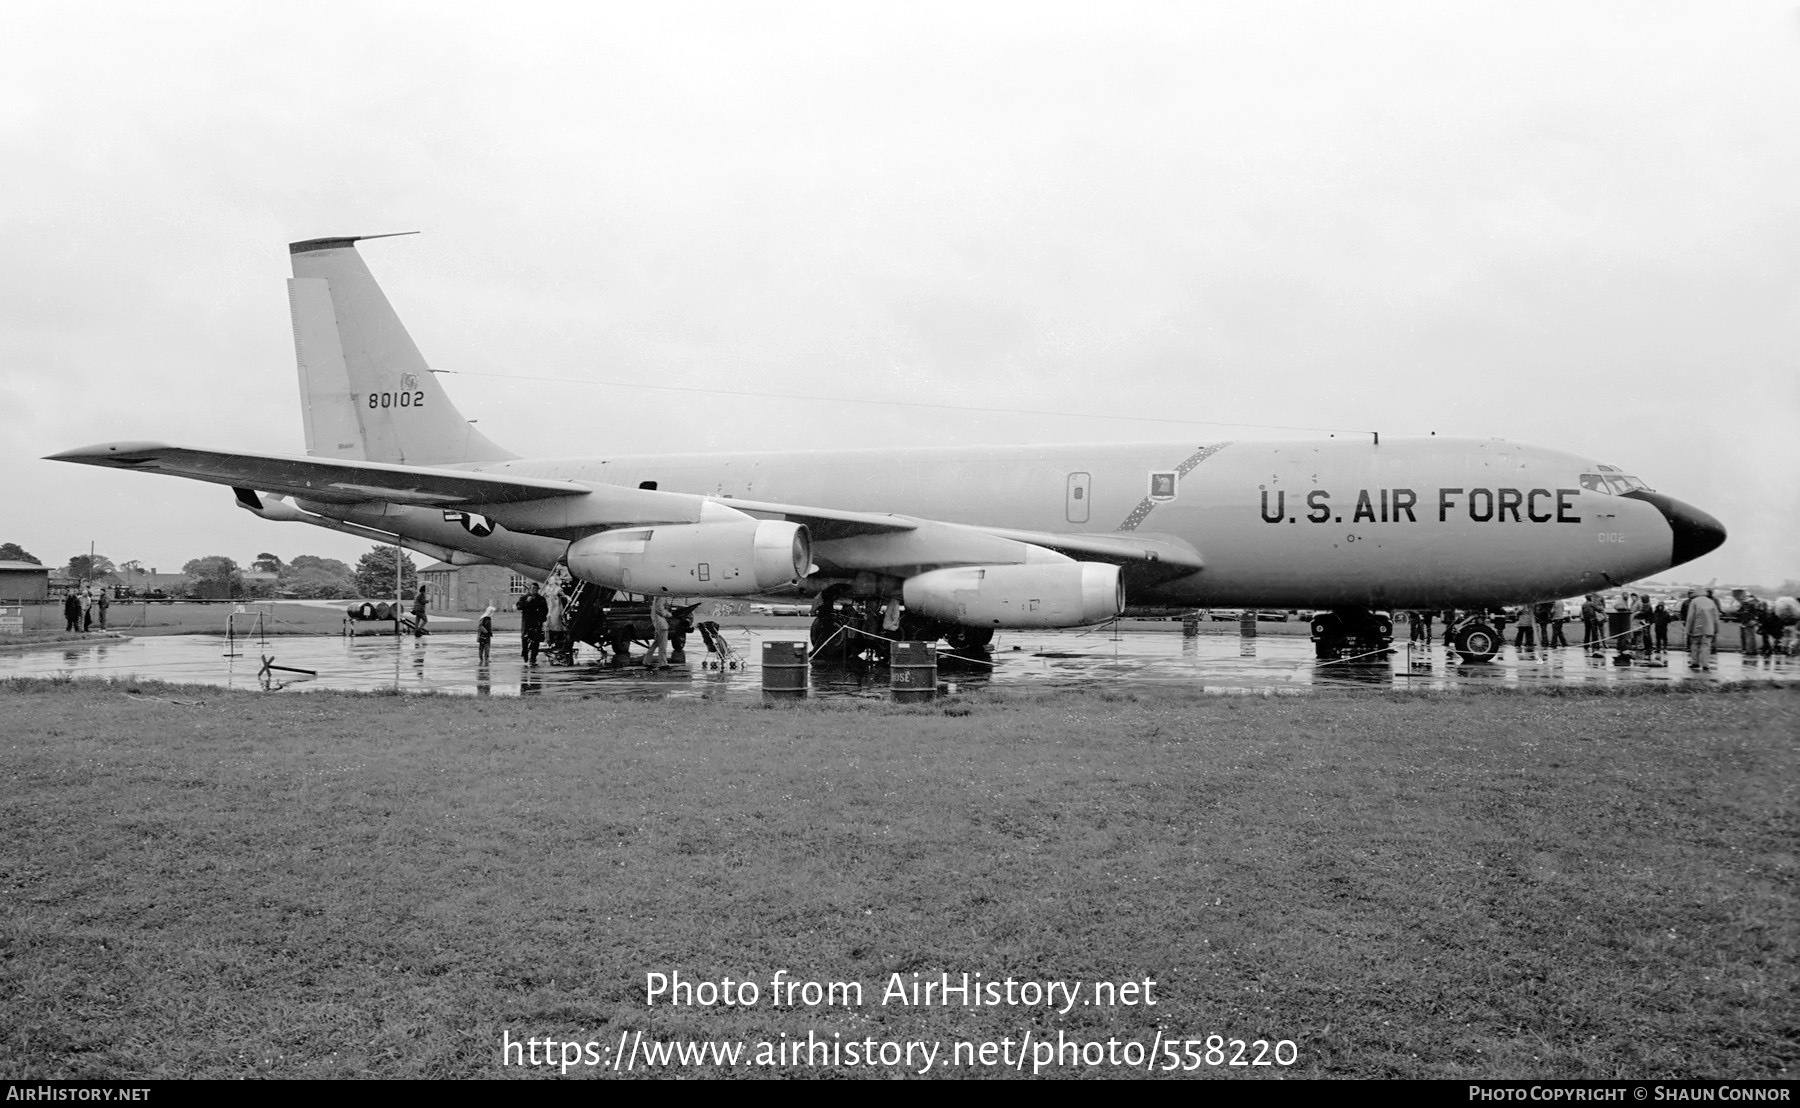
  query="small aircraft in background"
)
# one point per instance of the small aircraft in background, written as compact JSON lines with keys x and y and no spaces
{"x":964,"y":540}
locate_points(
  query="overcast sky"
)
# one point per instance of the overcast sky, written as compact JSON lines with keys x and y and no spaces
{"x":1575,"y":225}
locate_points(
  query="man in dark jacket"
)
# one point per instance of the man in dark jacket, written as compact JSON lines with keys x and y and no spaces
{"x":1590,"y":623}
{"x":72,"y":611}
{"x":533,"y":611}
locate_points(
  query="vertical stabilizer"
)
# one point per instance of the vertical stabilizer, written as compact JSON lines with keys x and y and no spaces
{"x":366,"y":391}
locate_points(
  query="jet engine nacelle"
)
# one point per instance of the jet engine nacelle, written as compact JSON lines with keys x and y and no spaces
{"x":1061,"y":594}
{"x":721,"y":558}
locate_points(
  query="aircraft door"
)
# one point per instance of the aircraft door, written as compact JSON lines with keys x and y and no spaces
{"x":1076,"y":500}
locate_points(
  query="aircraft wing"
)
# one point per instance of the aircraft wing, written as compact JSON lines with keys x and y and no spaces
{"x":334,"y":480}
{"x":1147,"y":559}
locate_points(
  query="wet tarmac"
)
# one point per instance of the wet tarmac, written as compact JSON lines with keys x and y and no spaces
{"x":1273,"y":665}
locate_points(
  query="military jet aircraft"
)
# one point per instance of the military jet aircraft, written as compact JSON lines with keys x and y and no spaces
{"x":967,"y":540}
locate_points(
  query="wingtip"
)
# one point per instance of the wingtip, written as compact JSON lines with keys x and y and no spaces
{"x":101,"y":451}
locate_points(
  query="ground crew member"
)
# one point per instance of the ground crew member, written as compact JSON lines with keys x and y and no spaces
{"x":556,"y":629}
{"x":659,"y":623}
{"x":418,"y":612}
{"x":533,"y":611}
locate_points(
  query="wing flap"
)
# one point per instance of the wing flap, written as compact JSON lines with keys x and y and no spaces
{"x":825,"y":524}
{"x":336,"y":481}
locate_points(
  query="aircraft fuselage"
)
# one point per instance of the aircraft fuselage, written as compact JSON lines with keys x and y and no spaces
{"x":1341,"y":523}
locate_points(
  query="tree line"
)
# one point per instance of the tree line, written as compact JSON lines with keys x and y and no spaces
{"x":217,"y":577}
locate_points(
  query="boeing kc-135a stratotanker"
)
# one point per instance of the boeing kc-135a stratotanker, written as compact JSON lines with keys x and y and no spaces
{"x":967,"y":539}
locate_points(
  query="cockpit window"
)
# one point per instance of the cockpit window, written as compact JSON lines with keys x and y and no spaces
{"x":1612,"y":481}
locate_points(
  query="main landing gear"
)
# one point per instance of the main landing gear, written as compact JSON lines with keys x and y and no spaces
{"x":1475,"y":641}
{"x":844,"y":627}
{"x":1350,"y":632}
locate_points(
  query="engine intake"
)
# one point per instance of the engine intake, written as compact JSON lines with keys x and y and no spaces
{"x":725,"y":558}
{"x":1063,"y":594}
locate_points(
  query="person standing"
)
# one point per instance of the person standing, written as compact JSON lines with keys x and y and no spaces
{"x":1768,"y":624}
{"x":1590,"y":623}
{"x":419,"y":608}
{"x":87,"y":609}
{"x":1525,"y":641}
{"x":1559,"y":615}
{"x":72,"y":610}
{"x":532,"y":613}
{"x":555,"y":627}
{"x":1660,"y":619}
{"x":1646,"y":617}
{"x":659,"y":624}
{"x":484,"y":635}
{"x":1618,"y":622}
{"x":1749,"y":614}
{"x":1541,"y":615}
{"x":1702,"y":627}
{"x":1421,"y":626}
{"x":103,"y":601}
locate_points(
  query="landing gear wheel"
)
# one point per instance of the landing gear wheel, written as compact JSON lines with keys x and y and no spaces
{"x":619,"y":638}
{"x":1328,"y":636}
{"x":969,"y":639}
{"x":1477,"y":642}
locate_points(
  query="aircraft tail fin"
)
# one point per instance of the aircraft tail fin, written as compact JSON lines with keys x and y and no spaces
{"x":365,"y":389}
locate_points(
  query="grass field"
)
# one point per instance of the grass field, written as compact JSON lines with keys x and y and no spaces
{"x":205,"y":884}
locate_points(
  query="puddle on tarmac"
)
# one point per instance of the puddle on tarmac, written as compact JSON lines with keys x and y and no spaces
{"x":1221,"y":664}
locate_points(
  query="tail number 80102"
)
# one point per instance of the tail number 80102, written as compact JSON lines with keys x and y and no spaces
{"x":396,"y":400}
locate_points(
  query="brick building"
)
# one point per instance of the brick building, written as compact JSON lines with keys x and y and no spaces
{"x":470,"y":588}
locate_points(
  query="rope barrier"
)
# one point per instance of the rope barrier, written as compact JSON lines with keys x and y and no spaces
{"x":883,"y":638}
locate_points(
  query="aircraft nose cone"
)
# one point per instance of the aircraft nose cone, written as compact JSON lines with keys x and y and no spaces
{"x":1695,"y":532}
